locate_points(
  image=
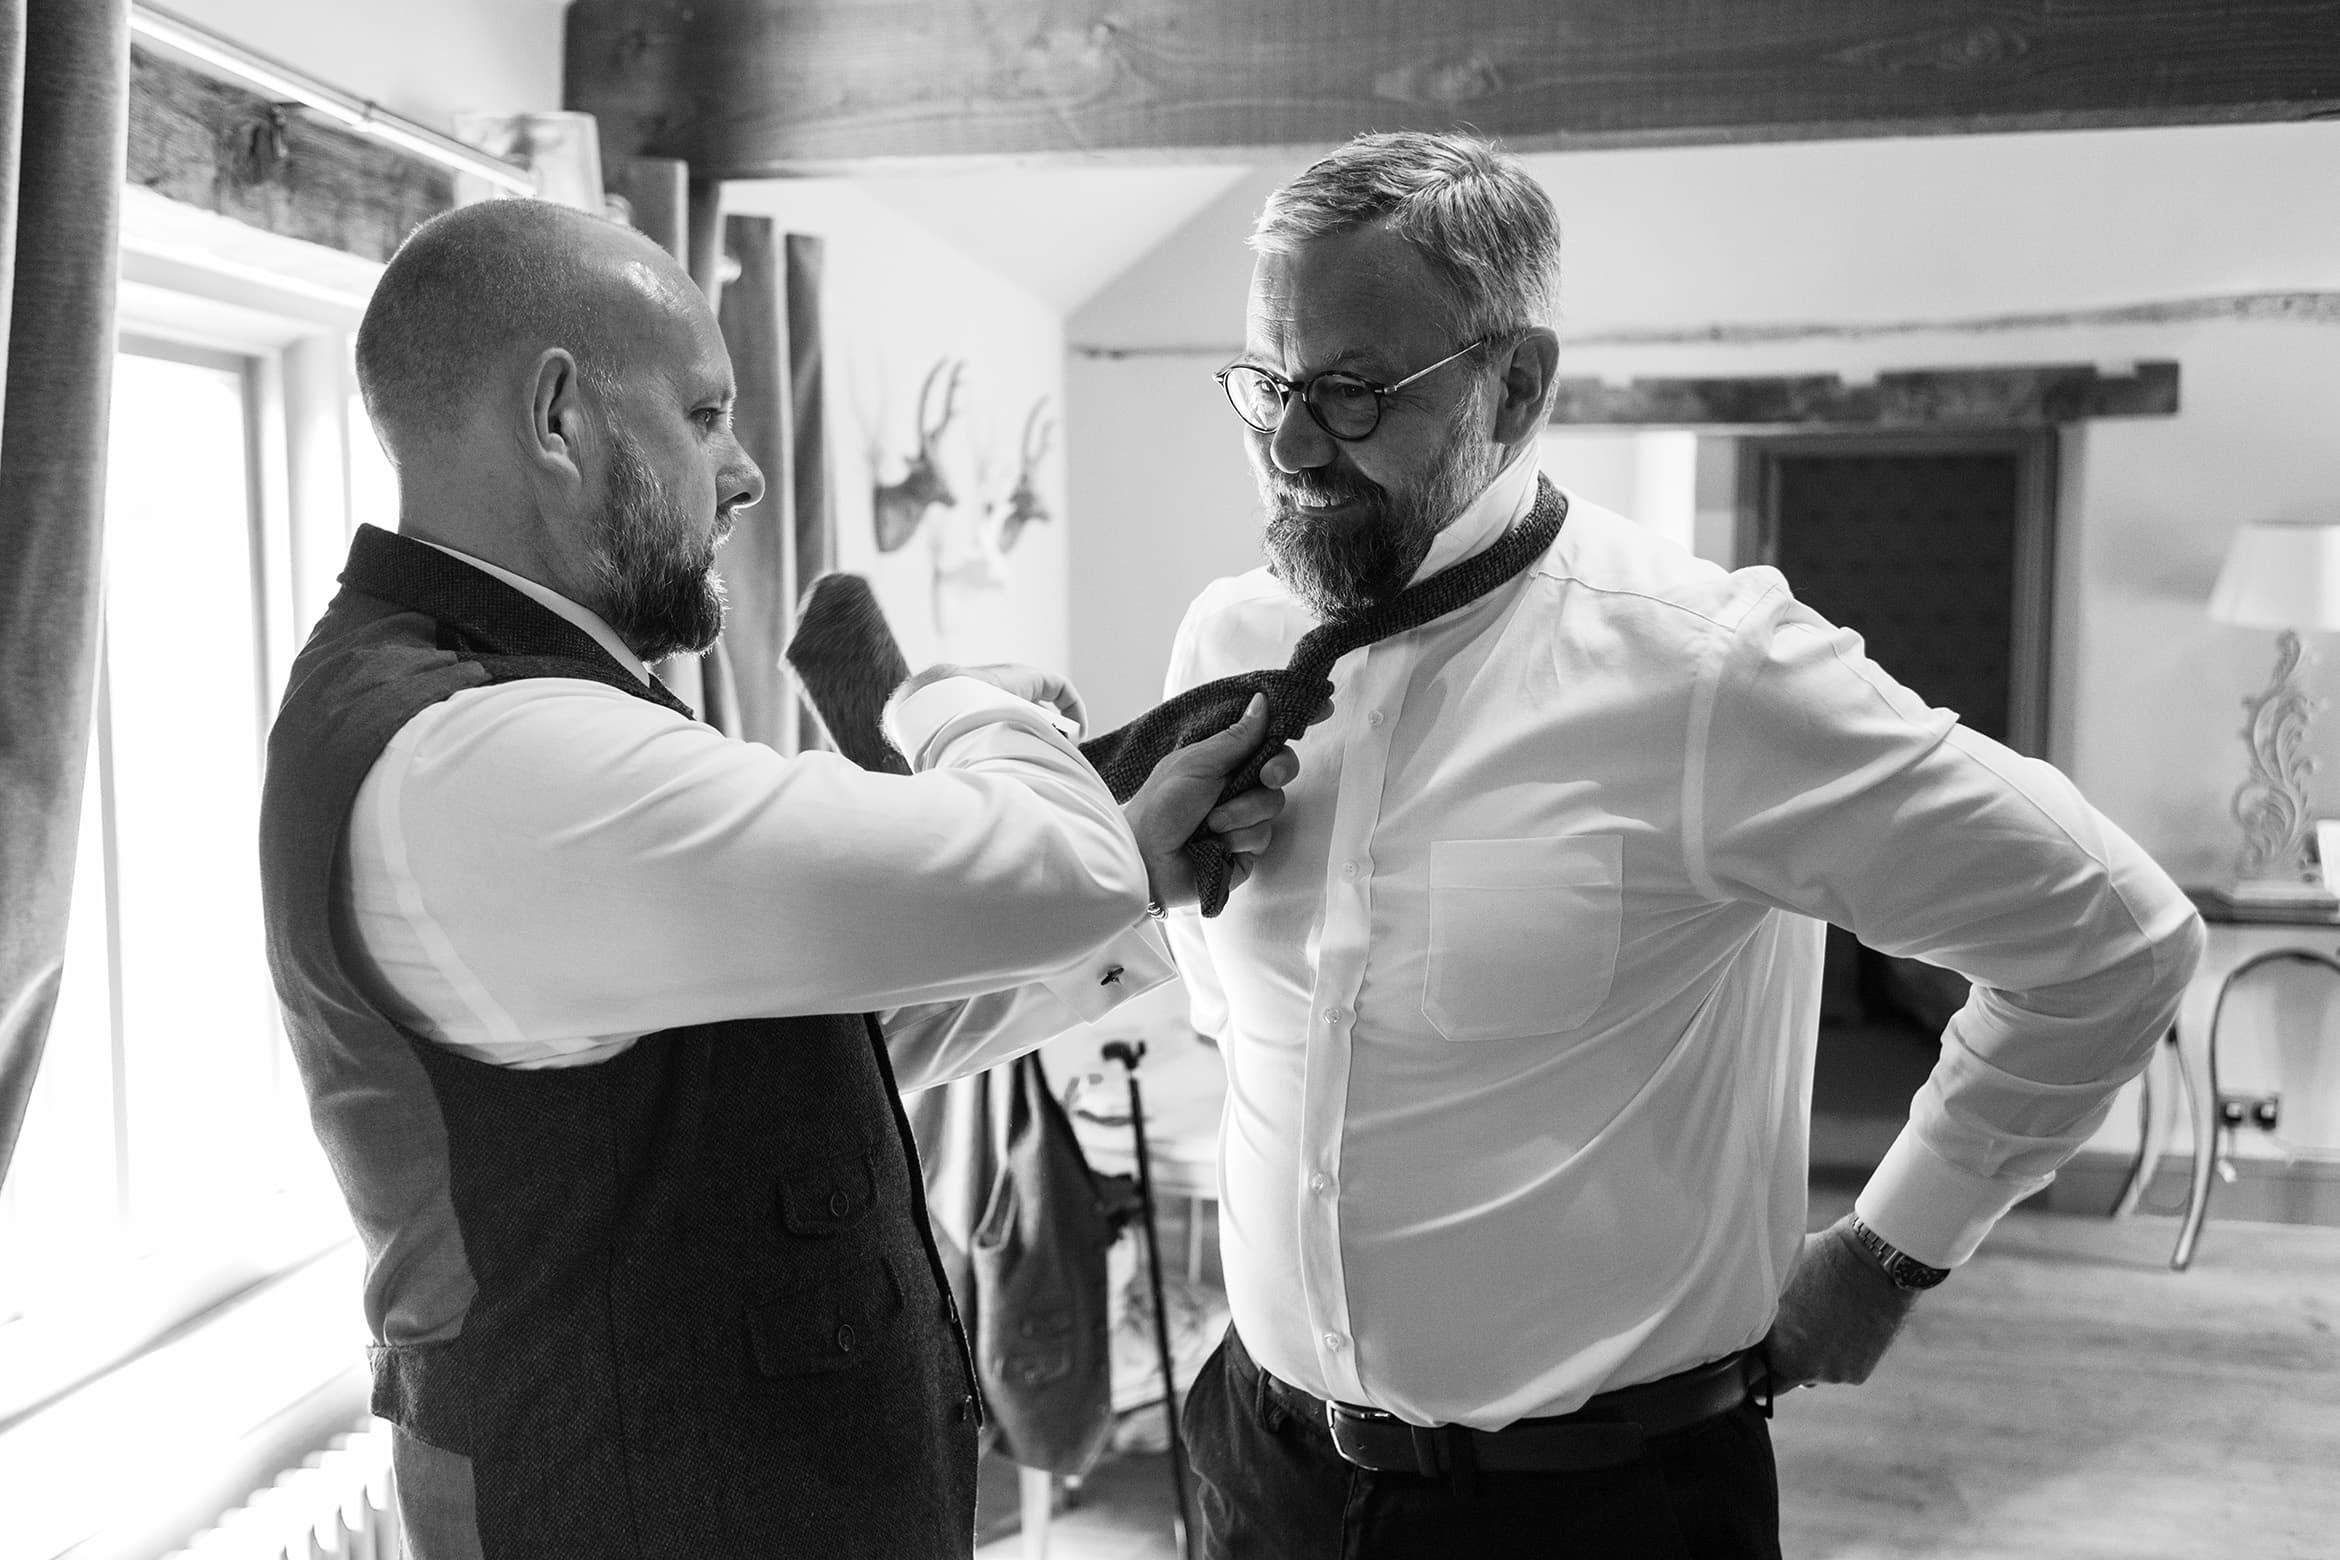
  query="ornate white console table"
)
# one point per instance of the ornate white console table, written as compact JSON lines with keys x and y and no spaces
{"x":2242,"y":938}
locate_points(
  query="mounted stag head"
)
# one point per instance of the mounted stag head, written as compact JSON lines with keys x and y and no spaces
{"x":1023,"y":504}
{"x":900,"y":506}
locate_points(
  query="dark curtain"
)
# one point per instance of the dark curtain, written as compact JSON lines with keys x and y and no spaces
{"x":678,"y":212}
{"x":808,"y":434}
{"x":769,"y":305}
{"x":64,"y":107}
{"x":758,"y":568}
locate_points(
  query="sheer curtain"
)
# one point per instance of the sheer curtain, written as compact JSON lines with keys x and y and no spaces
{"x":64,"y":92}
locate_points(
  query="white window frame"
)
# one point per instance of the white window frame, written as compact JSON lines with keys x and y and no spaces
{"x":173,"y":1390}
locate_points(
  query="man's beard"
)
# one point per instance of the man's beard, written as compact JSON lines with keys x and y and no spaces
{"x":659,"y":588}
{"x":1343,"y":563}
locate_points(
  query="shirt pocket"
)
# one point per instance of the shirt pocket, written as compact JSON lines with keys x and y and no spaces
{"x":1523,"y":934}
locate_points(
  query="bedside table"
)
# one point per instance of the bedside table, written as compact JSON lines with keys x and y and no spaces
{"x":2242,"y":938}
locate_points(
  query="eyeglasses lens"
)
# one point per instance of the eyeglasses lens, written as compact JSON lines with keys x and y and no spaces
{"x":1255,"y":397}
{"x":1344,"y":405}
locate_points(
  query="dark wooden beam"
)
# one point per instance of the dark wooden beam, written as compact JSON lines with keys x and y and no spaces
{"x":2032,"y":396}
{"x":270,"y":166}
{"x":743,"y":88}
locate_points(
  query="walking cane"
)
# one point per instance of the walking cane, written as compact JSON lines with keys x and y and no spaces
{"x":1129,"y":1053}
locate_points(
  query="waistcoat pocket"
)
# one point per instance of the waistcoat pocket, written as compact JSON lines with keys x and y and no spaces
{"x":1523,"y":934}
{"x":827,"y":1326}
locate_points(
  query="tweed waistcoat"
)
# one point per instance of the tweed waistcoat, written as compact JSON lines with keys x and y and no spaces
{"x":680,"y":1303}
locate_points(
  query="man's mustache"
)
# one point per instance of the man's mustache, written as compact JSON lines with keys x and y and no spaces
{"x":1321,"y":489}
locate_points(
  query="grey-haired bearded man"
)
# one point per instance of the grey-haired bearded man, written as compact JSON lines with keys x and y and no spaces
{"x":1518,"y":1018}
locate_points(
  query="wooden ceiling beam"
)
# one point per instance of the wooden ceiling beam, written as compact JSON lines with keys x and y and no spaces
{"x":2027,"y":396}
{"x":744,"y":88}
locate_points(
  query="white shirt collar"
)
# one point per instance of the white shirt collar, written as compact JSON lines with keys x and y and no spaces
{"x":553,"y":601}
{"x":1486,"y":517}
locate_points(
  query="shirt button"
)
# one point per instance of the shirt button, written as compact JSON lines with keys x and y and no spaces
{"x":1334,"y":1015}
{"x":1375,"y":717}
{"x":1320,"y":1183}
{"x":1334,"y":1341}
{"x":1349,"y":870}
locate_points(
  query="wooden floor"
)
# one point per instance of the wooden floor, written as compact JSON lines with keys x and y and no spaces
{"x":2065,"y":1397}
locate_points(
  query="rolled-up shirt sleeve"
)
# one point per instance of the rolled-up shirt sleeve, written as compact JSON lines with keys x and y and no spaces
{"x":573,"y":864}
{"x":1818,"y":784}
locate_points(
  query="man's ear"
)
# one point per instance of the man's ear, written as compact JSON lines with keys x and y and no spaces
{"x":561,"y":438}
{"x":1526,"y":386}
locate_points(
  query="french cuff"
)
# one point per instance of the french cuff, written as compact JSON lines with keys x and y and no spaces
{"x":1135,"y":962}
{"x":921,"y":724}
{"x":1931,"y":1209}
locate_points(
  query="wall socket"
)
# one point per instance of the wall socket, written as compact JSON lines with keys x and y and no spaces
{"x":2250,"y":1110}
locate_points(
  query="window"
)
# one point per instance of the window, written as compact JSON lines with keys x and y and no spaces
{"x":179,"y":1284}
{"x":166,"y":1154}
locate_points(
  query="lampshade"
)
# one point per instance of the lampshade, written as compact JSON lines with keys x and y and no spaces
{"x":2280,"y":576}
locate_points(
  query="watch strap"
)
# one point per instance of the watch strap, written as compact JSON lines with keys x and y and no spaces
{"x":1905,"y":1271}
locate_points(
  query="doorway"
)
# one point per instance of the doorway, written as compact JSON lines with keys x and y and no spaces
{"x":1937,"y":549}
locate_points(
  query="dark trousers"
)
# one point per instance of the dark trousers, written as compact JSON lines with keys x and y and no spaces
{"x":1271,"y":1487}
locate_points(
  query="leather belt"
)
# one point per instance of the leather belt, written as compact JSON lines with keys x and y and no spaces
{"x":1609,"y":1429}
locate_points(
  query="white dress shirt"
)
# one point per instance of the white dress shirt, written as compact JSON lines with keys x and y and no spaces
{"x":542,"y":871}
{"x":1518,"y":1014}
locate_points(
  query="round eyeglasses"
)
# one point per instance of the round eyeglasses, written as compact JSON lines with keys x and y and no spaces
{"x":1347,"y":406}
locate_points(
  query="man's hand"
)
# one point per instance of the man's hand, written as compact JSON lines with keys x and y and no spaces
{"x":1182,"y":794}
{"x":1837,"y":1314}
{"x":1025,"y":682}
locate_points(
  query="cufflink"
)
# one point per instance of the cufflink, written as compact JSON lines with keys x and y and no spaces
{"x":1111,"y":977}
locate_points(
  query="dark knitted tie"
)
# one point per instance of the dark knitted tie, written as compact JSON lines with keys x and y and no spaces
{"x":1124,"y":757}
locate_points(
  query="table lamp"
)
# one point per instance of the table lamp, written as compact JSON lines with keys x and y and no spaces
{"x":2283,"y":577}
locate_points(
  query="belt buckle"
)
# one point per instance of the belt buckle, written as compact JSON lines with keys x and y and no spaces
{"x":1337,"y":1422}
{"x":1343,"y":1423}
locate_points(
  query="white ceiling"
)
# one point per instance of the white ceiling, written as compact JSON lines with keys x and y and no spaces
{"x":1059,"y":233}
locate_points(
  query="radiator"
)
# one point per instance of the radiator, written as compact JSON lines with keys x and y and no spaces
{"x":337,"y":1505}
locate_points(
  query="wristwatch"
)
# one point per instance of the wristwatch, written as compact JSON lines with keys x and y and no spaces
{"x":1906,"y":1271}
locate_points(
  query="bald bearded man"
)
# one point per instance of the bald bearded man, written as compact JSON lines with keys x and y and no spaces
{"x":594,"y":1005}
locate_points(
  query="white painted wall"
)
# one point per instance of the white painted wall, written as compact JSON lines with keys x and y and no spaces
{"x":2146,"y":688}
{"x":896,"y":297}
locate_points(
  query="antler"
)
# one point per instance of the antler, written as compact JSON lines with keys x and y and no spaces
{"x":1023,"y":504}
{"x":899,"y":506}
{"x":1038,"y":430}
{"x":928,"y":433}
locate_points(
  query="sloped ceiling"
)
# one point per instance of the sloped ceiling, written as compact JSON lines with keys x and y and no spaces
{"x":1060,"y":233}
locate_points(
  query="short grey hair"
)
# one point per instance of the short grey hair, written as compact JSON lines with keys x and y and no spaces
{"x":1470,"y":209}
